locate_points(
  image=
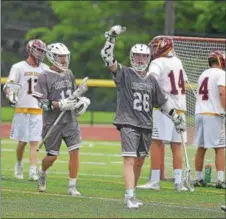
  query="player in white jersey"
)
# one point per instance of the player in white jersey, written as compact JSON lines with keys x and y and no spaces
{"x":209,"y":117}
{"x":27,"y":121}
{"x":170,"y":74}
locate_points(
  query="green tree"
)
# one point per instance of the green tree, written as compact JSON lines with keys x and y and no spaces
{"x":83,"y":23}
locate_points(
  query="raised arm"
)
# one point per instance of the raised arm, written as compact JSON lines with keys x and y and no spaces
{"x":107,"y":53}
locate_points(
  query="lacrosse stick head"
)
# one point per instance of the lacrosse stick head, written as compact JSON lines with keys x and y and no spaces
{"x":14,"y":87}
{"x":81,"y":89}
{"x":187,"y":180}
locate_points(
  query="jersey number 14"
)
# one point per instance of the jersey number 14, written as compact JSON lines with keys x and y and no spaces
{"x":181,"y":84}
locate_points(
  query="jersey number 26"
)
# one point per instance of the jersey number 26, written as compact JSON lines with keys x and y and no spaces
{"x":140,"y":102}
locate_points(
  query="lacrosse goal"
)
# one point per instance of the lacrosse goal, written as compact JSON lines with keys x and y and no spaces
{"x":193,"y":52}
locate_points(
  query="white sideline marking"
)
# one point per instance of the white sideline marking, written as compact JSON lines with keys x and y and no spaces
{"x":93,"y":143}
{"x":171,"y":205}
{"x":81,"y":174}
{"x":87,"y":143}
{"x":97,"y":155}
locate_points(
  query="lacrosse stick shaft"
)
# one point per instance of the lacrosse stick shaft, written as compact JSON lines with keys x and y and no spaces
{"x":192,"y":89}
{"x":77,"y":93}
{"x":50,"y":130}
{"x":185,"y":150}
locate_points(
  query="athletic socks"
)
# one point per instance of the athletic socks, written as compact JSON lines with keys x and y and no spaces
{"x":155,"y":176}
{"x":178,"y":176}
{"x":72,"y":182}
{"x":220,"y":176}
{"x":199,"y":175}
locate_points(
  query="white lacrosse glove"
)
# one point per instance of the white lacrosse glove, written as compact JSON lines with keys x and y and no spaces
{"x":12,"y":97}
{"x":11,"y":89}
{"x":178,"y":122}
{"x":115,"y":31}
{"x":82,"y":105}
{"x":67,"y":104}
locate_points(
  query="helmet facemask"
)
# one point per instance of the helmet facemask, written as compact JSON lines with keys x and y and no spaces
{"x":140,"y":57}
{"x":61,"y":61}
{"x":59,"y":55}
{"x":38,"y":50}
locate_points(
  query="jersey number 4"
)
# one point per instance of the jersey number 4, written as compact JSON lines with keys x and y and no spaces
{"x":180,"y":83}
{"x":203,"y":90}
{"x":31,"y":82}
{"x":140,"y":102}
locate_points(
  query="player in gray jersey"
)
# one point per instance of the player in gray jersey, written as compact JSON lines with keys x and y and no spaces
{"x":137,"y":94}
{"x":53,"y":89}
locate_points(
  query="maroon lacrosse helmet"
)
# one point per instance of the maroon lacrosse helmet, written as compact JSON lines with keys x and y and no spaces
{"x":37,"y":49}
{"x":160,"y":46}
{"x":219,"y":57}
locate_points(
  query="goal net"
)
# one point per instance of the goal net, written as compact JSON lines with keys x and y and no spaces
{"x":193,"y":52}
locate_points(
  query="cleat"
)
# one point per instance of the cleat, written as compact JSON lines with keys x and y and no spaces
{"x":180,"y":187}
{"x":139,"y":202}
{"x":200,"y":183}
{"x":223,"y":208}
{"x":18,"y":171}
{"x":131,"y":202}
{"x":220,"y":185}
{"x":42,"y":182}
{"x":33,"y":176}
{"x":73,"y":191}
{"x":150,"y":185}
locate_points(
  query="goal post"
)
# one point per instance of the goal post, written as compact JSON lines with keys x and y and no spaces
{"x":193,"y":52}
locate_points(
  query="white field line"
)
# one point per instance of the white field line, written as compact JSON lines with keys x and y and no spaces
{"x":169,"y":205}
{"x":91,"y":143}
{"x":81,"y":174}
{"x":96,"y":154}
{"x":53,"y":172}
{"x":85,"y":154}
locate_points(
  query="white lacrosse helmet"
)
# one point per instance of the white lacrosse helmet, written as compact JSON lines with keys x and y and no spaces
{"x":59,"y":55}
{"x":140,"y":57}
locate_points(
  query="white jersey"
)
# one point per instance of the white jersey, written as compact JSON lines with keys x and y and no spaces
{"x":26,"y":75}
{"x":208,"y":96}
{"x":171,"y":77}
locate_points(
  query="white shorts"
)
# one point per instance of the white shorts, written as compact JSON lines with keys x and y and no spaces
{"x":26,"y":127}
{"x":209,"y":131}
{"x":164,"y":129}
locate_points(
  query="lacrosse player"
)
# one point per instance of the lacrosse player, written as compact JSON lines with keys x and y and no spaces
{"x":169,"y":72}
{"x":27,"y":121}
{"x":210,"y":117}
{"x":137,"y":93}
{"x":53,"y":90}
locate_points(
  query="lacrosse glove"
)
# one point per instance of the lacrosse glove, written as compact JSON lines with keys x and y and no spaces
{"x":82,"y":105}
{"x":178,"y":121}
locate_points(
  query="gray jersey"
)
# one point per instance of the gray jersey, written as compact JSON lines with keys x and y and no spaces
{"x":54,"y":86}
{"x":136,"y":96}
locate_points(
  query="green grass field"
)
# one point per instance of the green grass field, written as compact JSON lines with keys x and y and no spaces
{"x":97,"y":117}
{"x":101,"y":184}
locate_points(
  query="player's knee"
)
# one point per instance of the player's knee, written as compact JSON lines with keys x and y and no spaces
{"x":140,"y":161}
{"x":51,"y":156}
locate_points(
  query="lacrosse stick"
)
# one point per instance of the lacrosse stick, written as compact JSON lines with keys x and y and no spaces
{"x":82,"y":88}
{"x":13,"y":90}
{"x":187,"y":172}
